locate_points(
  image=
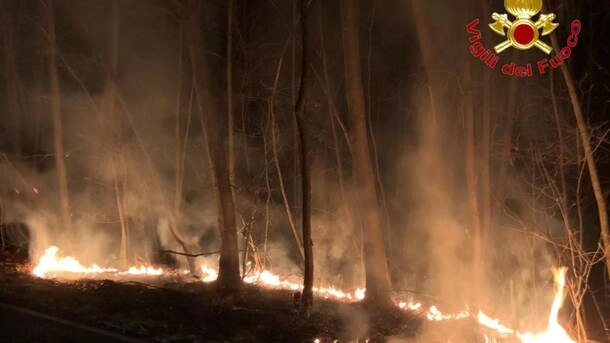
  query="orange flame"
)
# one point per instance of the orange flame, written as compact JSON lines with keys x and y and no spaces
{"x":52,"y":264}
{"x":554,"y":332}
{"x":268,"y":279}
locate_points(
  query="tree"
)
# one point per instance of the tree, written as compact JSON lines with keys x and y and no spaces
{"x":58,"y":144}
{"x":378,"y":282}
{"x":215,"y":127}
{"x":585,"y":136}
{"x":11,"y":77}
{"x":307,"y":295}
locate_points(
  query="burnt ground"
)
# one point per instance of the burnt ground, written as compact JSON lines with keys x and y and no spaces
{"x":173,"y":310}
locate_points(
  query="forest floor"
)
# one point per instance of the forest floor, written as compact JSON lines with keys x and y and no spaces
{"x":179,"y":308}
{"x":176,"y":310}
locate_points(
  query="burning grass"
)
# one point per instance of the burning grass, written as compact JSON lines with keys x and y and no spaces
{"x":490,"y":330}
{"x":168,"y":309}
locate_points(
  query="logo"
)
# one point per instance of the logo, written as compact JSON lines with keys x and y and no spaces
{"x":522,"y":33}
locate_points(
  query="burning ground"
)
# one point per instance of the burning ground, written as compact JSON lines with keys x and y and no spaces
{"x":167,"y":305}
{"x":179,"y":308}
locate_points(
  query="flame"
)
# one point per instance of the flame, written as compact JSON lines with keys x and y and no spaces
{"x":51,"y":264}
{"x":434,"y":314}
{"x":493,"y":324}
{"x":268,"y":279}
{"x":143,"y":270}
{"x":554,"y":332}
{"x":210,"y":274}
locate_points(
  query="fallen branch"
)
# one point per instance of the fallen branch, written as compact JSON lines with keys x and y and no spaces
{"x":190,"y":255}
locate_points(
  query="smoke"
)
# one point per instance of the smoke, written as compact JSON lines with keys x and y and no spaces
{"x":438,"y":257}
{"x":121,"y":160}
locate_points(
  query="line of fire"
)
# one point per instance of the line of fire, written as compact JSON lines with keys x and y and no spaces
{"x":304,"y":171}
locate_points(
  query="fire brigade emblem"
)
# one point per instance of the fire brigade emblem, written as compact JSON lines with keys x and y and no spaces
{"x":523,"y":33}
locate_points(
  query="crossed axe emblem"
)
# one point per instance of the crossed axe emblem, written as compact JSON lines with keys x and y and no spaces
{"x":523,"y":33}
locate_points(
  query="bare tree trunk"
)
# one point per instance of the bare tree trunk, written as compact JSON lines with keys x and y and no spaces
{"x":215,"y":128}
{"x":109,"y":107}
{"x":58,"y":145}
{"x":120,"y":204}
{"x":485,"y":161}
{"x":585,"y":137}
{"x":181,"y":146}
{"x":11,"y":77}
{"x":378,"y":283}
{"x":507,"y":135}
{"x":470,"y":155}
{"x":230,"y":114}
{"x":307,"y":295}
{"x":276,"y":161}
{"x":293,"y":99}
{"x":332,"y":113}
{"x":228,"y":265}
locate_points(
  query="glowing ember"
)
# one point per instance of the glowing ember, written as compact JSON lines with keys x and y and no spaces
{"x":143,"y":270}
{"x":409,"y":306}
{"x":51,"y":264}
{"x":435,"y":315}
{"x":210,"y":274}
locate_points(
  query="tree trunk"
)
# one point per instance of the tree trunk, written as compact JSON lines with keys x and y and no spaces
{"x":109,"y":109}
{"x":230,"y":120}
{"x":378,"y":283}
{"x":307,"y":295}
{"x":332,"y":115}
{"x":585,"y":136}
{"x":11,"y":77}
{"x":215,"y":127}
{"x":58,"y":145}
{"x":276,"y":160}
{"x":472,"y":177}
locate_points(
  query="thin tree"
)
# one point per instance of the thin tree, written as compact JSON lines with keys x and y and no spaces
{"x":58,"y":145}
{"x":214,"y":124}
{"x":109,"y":110}
{"x":11,"y":76}
{"x":585,"y":136}
{"x":230,"y":119}
{"x":378,"y":283}
{"x":300,"y":111}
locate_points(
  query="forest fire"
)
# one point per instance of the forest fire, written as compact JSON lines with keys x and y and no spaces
{"x":298,"y":171}
{"x":52,"y":263}
{"x":554,"y":332}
